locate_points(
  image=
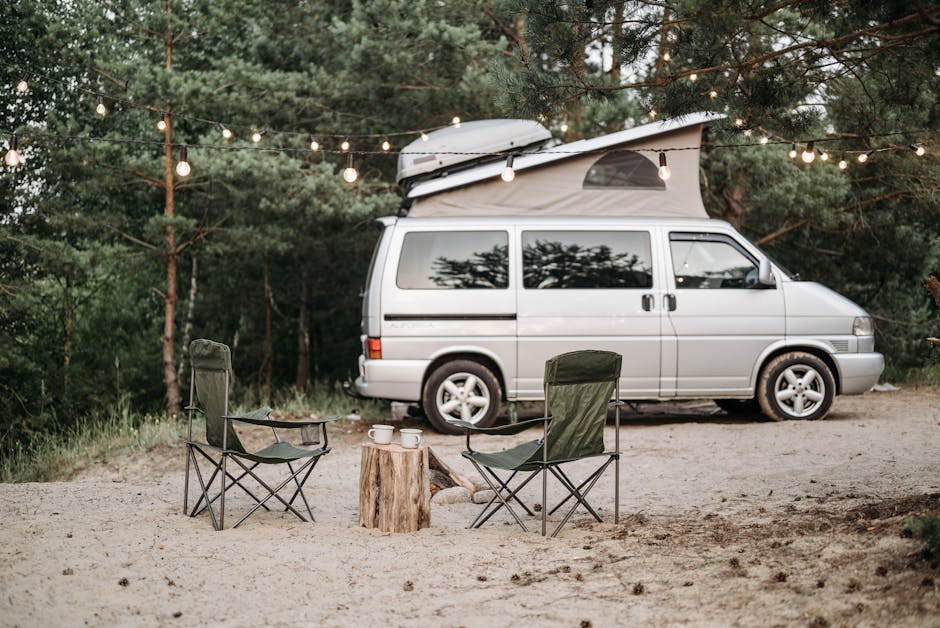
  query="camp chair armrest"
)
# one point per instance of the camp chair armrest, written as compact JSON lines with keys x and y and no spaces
{"x":197,"y":409}
{"x":502,"y":430}
{"x":272,"y":422}
{"x":614,"y":404}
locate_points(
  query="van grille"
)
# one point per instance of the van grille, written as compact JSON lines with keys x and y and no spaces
{"x":840,"y":345}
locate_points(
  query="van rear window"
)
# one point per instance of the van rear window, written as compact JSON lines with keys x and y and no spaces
{"x":586,"y":259}
{"x":454,"y":260}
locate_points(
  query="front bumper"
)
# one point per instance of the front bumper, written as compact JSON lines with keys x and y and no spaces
{"x":858,"y":372}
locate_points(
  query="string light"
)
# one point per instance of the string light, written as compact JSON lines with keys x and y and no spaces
{"x":712,"y":93}
{"x":564,"y":127}
{"x":22,"y":86}
{"x":746,"y":132}
{"x":792,"y":153}
{"x":763,"y":140}
{"x":667,"y":57}
{"x":386,"y":146}
{"x":350,"y":174}
{"x":693,"y":77}
{"x":314,"y":145}
{"x":455,"y":121}
{"x":739,"y":122}
{"x":182,"y":168}
{"x":161,"y":124}
{"x":508,"y":173}
{"x":863,"y":157}
{"x":664,"y":170}
{"x":12,"y":158}
{"x":843,"y":164}
{"x":101,"y":109}
{"x":225,"y":131}
{"x":257,"y":135}
{"x":918,"y":150}
{"x":824,"y":156}
{"x":809,"y":154}
{"x":424,"y":136}
{"x":345,"y":145}
{"x":652,"y":114}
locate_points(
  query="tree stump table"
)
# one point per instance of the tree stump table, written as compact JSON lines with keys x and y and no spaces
{"x":394,"y":494}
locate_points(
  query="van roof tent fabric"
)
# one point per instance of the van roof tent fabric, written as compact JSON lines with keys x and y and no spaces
{"x":557,"y":180}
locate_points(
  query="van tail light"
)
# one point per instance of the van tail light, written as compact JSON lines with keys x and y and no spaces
{"x":374,"y":348}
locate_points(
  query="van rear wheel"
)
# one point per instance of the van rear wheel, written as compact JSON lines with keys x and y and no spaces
{"x":796,"y":385}
{"x":464,"y":390}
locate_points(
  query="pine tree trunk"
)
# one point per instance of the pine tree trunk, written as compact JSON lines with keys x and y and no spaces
{"x":190,"y":314}
{"x":303,"y":334}
{"x":170,"y":381}
{"x":67,"y":349}
{"x":268,"y":340}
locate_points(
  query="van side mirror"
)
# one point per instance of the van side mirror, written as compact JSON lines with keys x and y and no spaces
{"x":765,"y":276}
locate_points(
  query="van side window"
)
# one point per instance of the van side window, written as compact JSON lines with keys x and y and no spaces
{"x":586,"y":259}
{"x":705,"y":261}
{"x":441,"y":260}
{"x":623,"y":169}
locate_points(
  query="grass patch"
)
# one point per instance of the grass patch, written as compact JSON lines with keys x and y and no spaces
{"x":926,"y":529}
{"x":56,"y":456}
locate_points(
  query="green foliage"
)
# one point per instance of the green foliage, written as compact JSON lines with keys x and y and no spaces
{"x":926,"y":529}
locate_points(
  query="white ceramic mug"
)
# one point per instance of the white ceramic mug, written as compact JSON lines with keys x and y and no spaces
{"x":410,"y":438}
{"x":381,"y":434}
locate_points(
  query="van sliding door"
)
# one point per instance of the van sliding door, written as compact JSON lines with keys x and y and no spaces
{"x":588,"y":289}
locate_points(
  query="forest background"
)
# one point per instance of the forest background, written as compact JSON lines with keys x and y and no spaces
{"x":110,"y":262}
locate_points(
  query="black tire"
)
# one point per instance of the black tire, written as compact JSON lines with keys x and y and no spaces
{"x":796,"y":386}
{"x":445,"y":395}
{"x":739,"y":407}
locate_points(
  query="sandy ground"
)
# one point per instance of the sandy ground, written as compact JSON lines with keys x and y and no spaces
{"x":723,"y":522}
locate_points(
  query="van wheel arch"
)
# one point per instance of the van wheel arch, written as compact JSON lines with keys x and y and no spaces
{"x":819,"y":353}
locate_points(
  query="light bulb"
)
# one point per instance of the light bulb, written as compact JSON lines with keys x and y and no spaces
{"x":652,"y":114}
{"x":161,"y":124}
{"x":256,"y":137}
{"x":314,"y":145}
{"x":918,"y":150}
{"x":693,"y":77}
{"x":455,"y":121}
{"x":739,"y":122}
{"x":843,"y":164}
{"x":808,"y":154}
{"x":386,"y":146}
{"x":424,"y":136}
{"x":508,"y":173}
{"x":667,"y":57}
{"x":350,"y":174}
{"x":225,"y":131}
{"x":344,"y":145}
{"x":12,"y":158}
{"x":862,"y":158}
{"x":664,"y":171}
{"x":22,"y":87}
{"x":746,"y":132}
{"x":792,"y":153}
{"x":101,"y":109}
{"x":824,"y":156}
{"x":712,"y":93}
{"x":563,"y":128}
{"x":182,"y":168}
{"x":764,"y":140}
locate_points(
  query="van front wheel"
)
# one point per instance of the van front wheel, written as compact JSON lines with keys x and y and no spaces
{"x":796,"y":385}
{"x":463,"y":390}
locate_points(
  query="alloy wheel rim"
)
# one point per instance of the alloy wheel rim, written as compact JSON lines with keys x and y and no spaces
{"x":799,"y":391}
{"x":463,"y":396}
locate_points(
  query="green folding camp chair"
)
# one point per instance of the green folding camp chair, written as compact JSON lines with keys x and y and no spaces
{"x":579,"y":387}
{"x":208,"y":395}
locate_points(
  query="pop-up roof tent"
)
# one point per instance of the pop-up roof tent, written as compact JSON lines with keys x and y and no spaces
{"x":612,"y":175}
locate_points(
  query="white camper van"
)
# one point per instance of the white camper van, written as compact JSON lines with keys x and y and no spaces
{"x":461,"y":312}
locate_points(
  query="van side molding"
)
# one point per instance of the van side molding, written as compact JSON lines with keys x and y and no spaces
{"x":450,"y":317}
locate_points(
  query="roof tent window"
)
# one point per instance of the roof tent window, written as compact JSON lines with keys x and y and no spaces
{"x":623,"y":169}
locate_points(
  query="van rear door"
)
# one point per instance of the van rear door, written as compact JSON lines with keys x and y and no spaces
{"x":588,"y":289}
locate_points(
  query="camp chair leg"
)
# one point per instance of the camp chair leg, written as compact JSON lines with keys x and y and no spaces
{"x":300,"y":484}
{"x":222,"y":492}
{"x":186,"y":481}
{"x":215,"y":523}
{"x":491,"y":508}
{"x":617,"y":484}
{"x":575,"y":491}
{"x":272,"y":492}
{"x":217,"y":467}
{"x":581,"y":497}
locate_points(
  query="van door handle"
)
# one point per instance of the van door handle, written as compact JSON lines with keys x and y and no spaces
{"x":670,"y":302}
{"x":647,"y":302}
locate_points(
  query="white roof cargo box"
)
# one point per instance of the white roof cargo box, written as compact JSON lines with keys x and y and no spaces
{"x":468,"y":143}
{"x":611,"y":175}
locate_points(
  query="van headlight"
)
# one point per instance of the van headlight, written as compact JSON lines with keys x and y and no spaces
{"x":862,"y":326}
